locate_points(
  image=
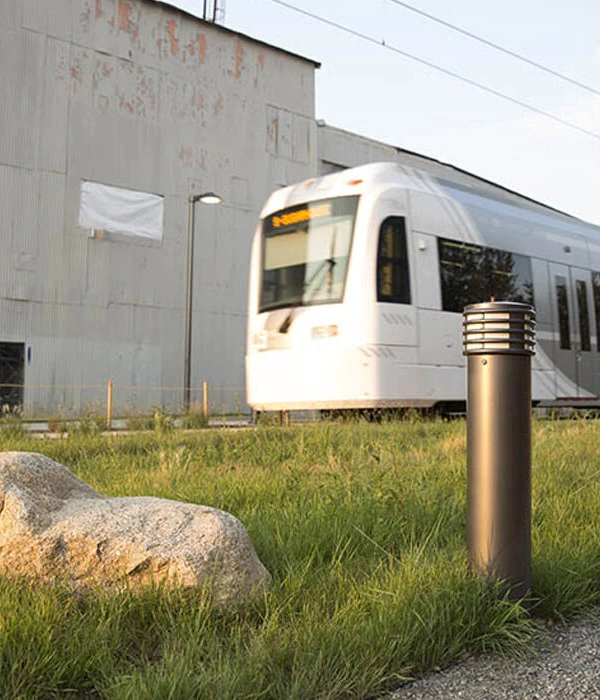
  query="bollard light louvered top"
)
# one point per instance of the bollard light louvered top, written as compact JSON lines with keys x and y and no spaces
{"x":499,"y":327}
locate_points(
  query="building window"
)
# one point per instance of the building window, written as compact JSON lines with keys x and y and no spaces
{"x":12,"y":374}
{"x":471,"y":274}
{"x":584,"y":317}
{"x":560,"y":284}
{"x":393,"y":281}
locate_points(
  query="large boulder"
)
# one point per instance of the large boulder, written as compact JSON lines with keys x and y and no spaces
{"x":53,"y":525}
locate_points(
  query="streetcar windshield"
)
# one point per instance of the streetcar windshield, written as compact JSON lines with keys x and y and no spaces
{"x":305,"y":253}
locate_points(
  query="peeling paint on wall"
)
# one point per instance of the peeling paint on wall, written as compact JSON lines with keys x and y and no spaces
{"x":124,"y":16}
{"x":260,"y":66}
{"x":272,"y":130}
{"x":128,"y":19}
{"x":76,"y":70}
{"x":202,"y":47}
{"x":84,"y":18}
{"x":186,"y":156}
{"x":239,"y":60}
{"x":218,"y":105}
{"x":172,"y":32}
{"x":191,"y":157}
{"x":137,"y":90}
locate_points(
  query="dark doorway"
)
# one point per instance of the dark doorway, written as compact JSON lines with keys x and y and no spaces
{"x":12,"y":374}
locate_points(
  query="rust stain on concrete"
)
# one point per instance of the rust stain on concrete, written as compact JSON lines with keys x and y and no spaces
{"x":272,"y":129}
{"x":239,"y":60}
{"x":202,"y":47}
{"x":218,"y":106}
{"x":127,"y":20}
{"x":261,"y":67}
{"x":76,"y":73}
{"x":85,"y":17}
{"x":124,"y":16}
{"x":102,"y":71}
{"x":98,"y":9}
{"x":126,"y":105}
{"x":172,"y":32}
{"x":76,"y":70}
{"x":61,"y":68}
{"x":186,"y":156}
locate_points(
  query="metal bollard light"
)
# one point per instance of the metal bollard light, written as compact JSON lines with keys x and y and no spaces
{"x":499,"y":341}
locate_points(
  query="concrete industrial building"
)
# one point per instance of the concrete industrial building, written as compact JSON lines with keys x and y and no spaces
{"x":119,"y":111}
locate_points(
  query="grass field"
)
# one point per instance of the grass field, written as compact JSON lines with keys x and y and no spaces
{"x":363,"y":529}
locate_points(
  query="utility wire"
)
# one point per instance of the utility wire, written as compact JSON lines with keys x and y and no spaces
{"x":508,"y":52}
{"x":440,"y":69}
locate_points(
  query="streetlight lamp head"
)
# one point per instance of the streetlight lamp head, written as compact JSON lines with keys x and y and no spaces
{"x":209,"y":198}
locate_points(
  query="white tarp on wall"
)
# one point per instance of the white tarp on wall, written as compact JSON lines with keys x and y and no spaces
{"x":121,"y":211}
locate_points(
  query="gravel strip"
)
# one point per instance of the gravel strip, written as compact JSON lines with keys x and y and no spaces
{"x":567,"y":665}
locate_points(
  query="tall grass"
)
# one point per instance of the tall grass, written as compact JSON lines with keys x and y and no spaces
{"x":363,"y":529}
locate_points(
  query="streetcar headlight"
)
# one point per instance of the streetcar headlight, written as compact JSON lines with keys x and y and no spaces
{"x":318,"y":332}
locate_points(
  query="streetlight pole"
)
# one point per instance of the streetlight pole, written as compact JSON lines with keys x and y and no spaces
{"x":205,"y":198}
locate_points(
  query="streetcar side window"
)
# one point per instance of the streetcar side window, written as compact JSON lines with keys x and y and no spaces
{"x":596,"y":292}
{"x":584,"y":316}
{"x":560,"y":284}
{"x":470,"y":274}
{"x":393,"y":281}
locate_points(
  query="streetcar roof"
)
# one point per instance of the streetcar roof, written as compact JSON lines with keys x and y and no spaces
{"x":444,"y":183}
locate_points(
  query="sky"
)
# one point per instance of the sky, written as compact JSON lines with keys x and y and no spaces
{"x":368,"y":88}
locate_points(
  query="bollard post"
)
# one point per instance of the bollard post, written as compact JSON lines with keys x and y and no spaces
{"x":109,"y":404}
{"x":499,"y":341}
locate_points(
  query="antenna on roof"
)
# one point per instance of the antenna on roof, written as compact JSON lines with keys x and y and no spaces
{"x":214,"y":11}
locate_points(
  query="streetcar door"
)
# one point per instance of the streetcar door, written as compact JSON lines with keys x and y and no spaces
{"x":564,"y":324}
{"x":585,"y":357}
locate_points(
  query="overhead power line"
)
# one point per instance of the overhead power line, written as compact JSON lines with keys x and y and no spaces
{"x":497,"y":47}
{"x":440,"y":69}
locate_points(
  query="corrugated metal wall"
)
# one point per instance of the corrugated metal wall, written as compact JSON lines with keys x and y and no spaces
{"x":140,"y":96}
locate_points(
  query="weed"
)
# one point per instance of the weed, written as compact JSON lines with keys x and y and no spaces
{"x":194,"y":418}
{"x":163,"y":422}
{"x":90,"y":423}
{"x":140,"y":421}
{"x":11,"y":421}
{"x":58,"y":424}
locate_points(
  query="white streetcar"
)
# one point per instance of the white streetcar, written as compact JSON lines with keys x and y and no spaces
{"x":358,"y":281}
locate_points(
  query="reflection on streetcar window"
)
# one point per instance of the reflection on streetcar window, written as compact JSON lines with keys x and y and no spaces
{"x":305,"y":253}
{"x":392,"y":263}
{"x":560,"y":284}
{"x":596,"y":291}
{"x":584,"y":316}
{"x":470,"y":274}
